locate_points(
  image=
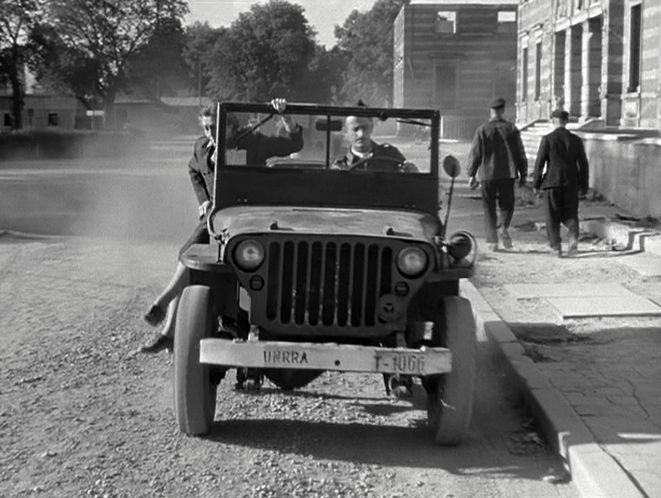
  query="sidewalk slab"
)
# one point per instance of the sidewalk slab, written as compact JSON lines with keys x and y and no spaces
{"x":603,"y":306}
{"x":594,"y":471}
{"x":647,"y":264}
{"x":568,"y":289}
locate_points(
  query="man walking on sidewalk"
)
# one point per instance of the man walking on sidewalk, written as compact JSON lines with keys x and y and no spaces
{"x":561,"y":171}
{"x":498,"y":155}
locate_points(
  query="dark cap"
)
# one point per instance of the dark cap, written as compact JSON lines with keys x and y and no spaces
{"x":497,"y":103}
{"x":560,"y":114}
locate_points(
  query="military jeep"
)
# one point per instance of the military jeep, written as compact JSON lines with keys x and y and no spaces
{"x":312,"y":268}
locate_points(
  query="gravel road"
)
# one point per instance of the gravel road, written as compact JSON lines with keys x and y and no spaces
{"x":82,"y":415}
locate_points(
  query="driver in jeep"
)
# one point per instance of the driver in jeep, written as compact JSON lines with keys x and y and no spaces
{"x":365,"y":154}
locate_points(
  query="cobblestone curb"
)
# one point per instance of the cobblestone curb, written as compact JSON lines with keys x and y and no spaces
{"x":593,"y":471}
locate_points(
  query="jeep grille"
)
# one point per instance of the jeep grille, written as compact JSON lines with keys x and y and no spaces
{"x":326,"y":283}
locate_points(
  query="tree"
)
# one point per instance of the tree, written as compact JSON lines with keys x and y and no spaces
{"x":17,"y":17}
{"x":158,"y":68}
{"x":101,"y":37}
{"x":200,"y":38}
{"x":264,"y":53}
{"x":367,"y":38}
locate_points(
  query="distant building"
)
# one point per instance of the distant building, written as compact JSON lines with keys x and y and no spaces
{"x":41,"y":110}
{"x":455,"y":56}
{"x":170,"y":115}
{"x":595,"y":58}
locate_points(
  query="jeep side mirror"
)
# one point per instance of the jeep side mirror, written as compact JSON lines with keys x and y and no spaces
{"x":323,"y":125}
{"x":451,"y":166}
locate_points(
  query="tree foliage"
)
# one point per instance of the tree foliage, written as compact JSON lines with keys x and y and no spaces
{"x":158,"y":67}
{"x":367,"y":39}
{"x":197,"y":53}
{"x":94,"y":41}
{"x":264,"y":53}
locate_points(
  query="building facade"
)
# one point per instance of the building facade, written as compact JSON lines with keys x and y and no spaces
{"x":597,"y":59}
{"x":455,"y":56}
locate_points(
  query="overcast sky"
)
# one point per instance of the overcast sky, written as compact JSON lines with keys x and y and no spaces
{"x":323,"y":15}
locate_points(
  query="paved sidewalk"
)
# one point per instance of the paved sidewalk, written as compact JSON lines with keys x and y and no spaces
{"x":582,"y":338}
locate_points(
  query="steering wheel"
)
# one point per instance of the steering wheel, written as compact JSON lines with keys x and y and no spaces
{"x":363,"y":162}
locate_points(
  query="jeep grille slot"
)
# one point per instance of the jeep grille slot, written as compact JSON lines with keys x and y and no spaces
{"x":326,"y":283}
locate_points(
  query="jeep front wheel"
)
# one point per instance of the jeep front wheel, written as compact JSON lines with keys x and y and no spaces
{"x":194,"y":391}
{"x":450,"y":396}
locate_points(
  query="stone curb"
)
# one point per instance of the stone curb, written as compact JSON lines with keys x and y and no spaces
{"x":622,"y":236}
{"x":593,"y":471}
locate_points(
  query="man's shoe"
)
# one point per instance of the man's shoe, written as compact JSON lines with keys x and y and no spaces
{"x":492,"y":246}
{"x":155,"y":315}
{"x":572,"y":251}
{"x":505,"y":238}
{"x":158,"y":344}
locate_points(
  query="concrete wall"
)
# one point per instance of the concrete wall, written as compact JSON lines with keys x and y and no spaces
{"x":627,"y":172}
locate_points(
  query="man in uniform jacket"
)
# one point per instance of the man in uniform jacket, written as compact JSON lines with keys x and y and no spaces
{"x":498,"y":156}
{"x":365,"y":154}
{"x":259,"y":148}
{"x":562,"y":172}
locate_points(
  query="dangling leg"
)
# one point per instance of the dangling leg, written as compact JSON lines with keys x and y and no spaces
{"x":178,"y":281}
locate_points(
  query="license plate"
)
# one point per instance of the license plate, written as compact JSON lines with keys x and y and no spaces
{"x":281,"y":357}
{"x":400,"y":362}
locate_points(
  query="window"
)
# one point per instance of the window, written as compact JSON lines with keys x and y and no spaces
{"x":30,"y":117}
{"x":446,"y":86}
{"x":506,"y":16}
{"x":52,"y":119}
{"x":635,"y":49}
{"x":524,"y":74}
{"x":7,"y":120}
{"x":446,"y":22}
{"x":538,"y":70}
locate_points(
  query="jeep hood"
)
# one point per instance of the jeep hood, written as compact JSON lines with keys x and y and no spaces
{"x":329,"y":221}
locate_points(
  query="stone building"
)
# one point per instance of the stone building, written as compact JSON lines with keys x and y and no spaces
{"x":455,"y":56}
{"x":601,"y":61}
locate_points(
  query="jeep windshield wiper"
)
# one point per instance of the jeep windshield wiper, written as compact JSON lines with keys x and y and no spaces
{"x":253,"y":128}
{"x":413,"y":122}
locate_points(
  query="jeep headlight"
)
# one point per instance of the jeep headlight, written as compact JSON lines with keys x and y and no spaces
{"x":248,"y":254}
{"x":412,"y":261}
{"x":461,"y":247}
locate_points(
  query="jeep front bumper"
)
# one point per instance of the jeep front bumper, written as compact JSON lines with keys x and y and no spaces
{"x":327,"y":356}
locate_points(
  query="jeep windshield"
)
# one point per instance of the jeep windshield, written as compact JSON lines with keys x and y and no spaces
{"x":394,"y":140}
{"x":350,"y":157}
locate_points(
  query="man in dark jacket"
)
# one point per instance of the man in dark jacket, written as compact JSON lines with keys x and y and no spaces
{"x":498,"y":156}
{"x":201,"y":168}
{"x":562,"y":172}
{"x":365,"y":154}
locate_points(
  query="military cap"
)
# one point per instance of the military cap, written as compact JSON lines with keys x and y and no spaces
{"x":560,"y":114}
{"x":497,"y":103}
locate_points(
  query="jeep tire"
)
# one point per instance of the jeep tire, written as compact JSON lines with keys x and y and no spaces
{"x":194,"y":391}
{"x":450,"y":396}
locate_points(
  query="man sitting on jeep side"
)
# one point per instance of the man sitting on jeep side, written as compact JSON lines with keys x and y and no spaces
{"x":365,"y":154}
{"x":201,"y":169}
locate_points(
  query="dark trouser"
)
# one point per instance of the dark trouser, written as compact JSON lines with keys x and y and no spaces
{"x":561,"y":207}
{"x":503,"y":192}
